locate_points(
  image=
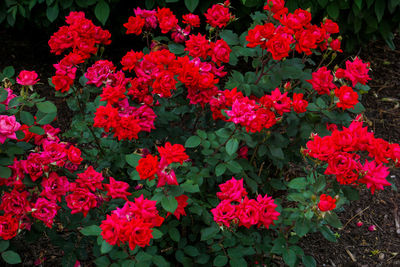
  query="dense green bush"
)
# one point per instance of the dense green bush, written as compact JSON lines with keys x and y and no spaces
{"x":196,"y":149}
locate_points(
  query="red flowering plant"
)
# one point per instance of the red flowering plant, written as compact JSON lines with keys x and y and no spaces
{"x":194,"y":135}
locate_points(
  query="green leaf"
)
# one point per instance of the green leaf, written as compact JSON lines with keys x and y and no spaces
{"x":37,"y":130}
{"x":323,"y":3}
{"x":52,"y":12}
{"x":43,"y":118}
{"x":191,"y":251}
{"x":289,"y":256}
{"x":379,"y":9}
{"x":11,"y":257}
{"x":327,"y":233}
{"x":133,"y":159}
{"x":8,"y":71}
{"x":276,"y":152}
{"x":238,"y":262}
{"x":102,"y":11}
{"x":157,"y":234}
{"x":174,"y":234}
{"x":220,"y":260}
{"x":333,"y":10}
{"x":149,"y":4}
{"x":4,"y":244}
{"x":105,"y":247}
{"x":302,"y":227}
{"x":357,"y":109}
{"x":159,"y":261}
{"x":358,"y":3}
{"x":298,"y":183}
{"x":3,"y":95}
{"x":209,"y":232}
{"x":177,"y":49}
{"x":333,"y":219}
{"x":5,"y":172}
{"x":234,"y":166}
{"x":92,"y":230}
{"x":46,"y":107}
{"x":193,"y":141}
{"x":308,"y":261}
{"x":102,"y":261}
{"x":15,"y":101}
{"x":232,"y":146}
{"x":191,"y":188}
{"x":27,"y":118}
{"x":230,"y":37}
{"x":351,"y":193}
{"x":220,"y":169}
{"x":169,"y":203}
{"x":191,"y":4}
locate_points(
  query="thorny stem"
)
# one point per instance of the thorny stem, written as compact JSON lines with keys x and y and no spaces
{"x":264,"y":73}
{"x":221,"y":145}
{"x":97,"y":141}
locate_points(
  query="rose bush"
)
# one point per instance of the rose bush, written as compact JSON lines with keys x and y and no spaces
{"x":185,"y":152}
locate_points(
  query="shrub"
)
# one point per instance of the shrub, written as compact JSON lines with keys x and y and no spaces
{"x":216,"y":148}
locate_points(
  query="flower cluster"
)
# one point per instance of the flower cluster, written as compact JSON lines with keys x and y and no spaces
{"x":41,"y":199}
{"x":235,"y":207}
{"x":342,"y":151}
{"x":216,"y":16}
{"x":132,"y":223}
{"x":356,"y":72}
{"x":149,"y":166}
{"x":295,"y":30}
{"x":118,"y":116}
{"x":83,"y":37}
{"x":252,"y":113}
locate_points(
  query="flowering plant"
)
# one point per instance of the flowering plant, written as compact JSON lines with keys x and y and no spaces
{"x":202,"y":127}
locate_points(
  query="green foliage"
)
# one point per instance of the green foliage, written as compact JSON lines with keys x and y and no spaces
{"x":217,"y":149}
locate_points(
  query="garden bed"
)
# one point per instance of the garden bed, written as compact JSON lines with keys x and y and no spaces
{"x":357,"y":246}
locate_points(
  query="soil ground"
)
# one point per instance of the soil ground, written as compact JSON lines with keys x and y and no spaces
{"x":356,"y":246}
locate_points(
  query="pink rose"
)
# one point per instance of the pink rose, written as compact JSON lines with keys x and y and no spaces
{"x":10,"y":96}
{"x":27,"y":78}
{"x":8,"y":127}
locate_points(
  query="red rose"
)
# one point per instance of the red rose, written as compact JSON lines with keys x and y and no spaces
{"x":167,"y":19}
{"x":81,"y":200}
{"x":347,"y":97}
{"x":74,"y":155}
{"x":134,"y":25}
{"x":279,"y":46}
{"x":326,"y":203}
{"x":224,"y":213}
{"x":8,"y":226}
{"x":62,"y":82}
{"x":322,"y":81}
{"x":220,"y":52}
{"x":147,"y":167}
{"x":218,"y":16}
{"x":299,"y":104}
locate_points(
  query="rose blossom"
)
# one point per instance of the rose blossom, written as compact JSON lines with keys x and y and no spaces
{"x":8,"y":127}
{"x":27,"y":78}
{"x":326,"y":203}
